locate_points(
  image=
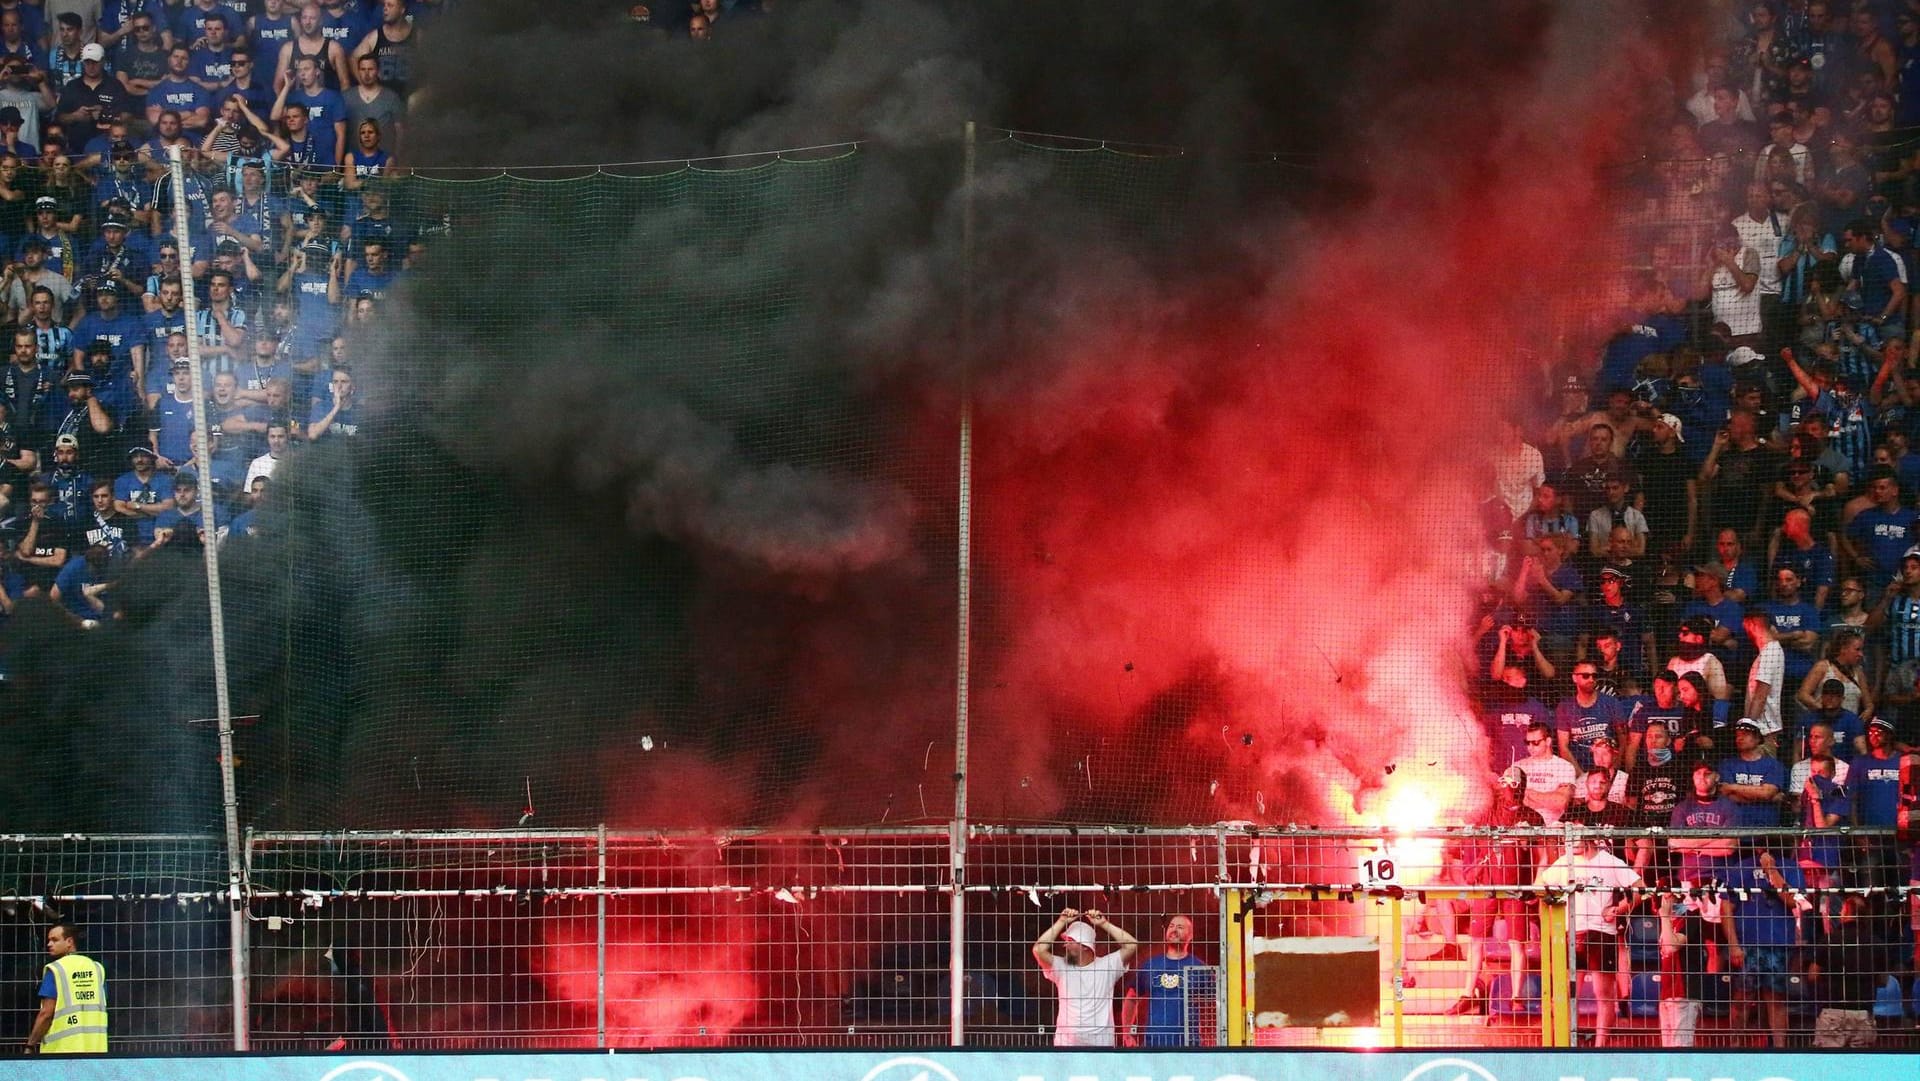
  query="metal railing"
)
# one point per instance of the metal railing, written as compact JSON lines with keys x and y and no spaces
{"x":600,"y":938}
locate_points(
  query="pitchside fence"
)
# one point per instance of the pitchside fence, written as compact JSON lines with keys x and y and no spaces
{"x":578,"y":939}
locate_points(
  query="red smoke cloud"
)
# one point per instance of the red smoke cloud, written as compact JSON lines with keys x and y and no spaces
{"x":1225,"y":549}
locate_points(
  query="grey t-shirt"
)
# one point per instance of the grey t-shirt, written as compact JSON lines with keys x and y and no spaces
{"x":385,"y":108}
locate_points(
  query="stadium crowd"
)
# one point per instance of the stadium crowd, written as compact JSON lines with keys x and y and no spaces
{"x":291,"y":121}
{"x":1702,"y":605}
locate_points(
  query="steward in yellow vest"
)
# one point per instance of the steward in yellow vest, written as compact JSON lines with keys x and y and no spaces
{"x":73,"y":998}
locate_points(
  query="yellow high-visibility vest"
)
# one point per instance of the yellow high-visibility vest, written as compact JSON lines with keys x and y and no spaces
{"x":79,"y":1007}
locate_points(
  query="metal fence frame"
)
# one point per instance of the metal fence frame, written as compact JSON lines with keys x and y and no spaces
{"x":510,"y":887}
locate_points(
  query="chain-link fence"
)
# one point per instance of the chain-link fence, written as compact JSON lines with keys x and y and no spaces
{"x":522,"y":939}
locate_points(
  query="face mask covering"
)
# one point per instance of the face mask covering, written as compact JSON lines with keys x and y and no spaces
{"x":1660,"y":757}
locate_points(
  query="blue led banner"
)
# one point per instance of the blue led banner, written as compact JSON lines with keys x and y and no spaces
{"x":997,"y":1066}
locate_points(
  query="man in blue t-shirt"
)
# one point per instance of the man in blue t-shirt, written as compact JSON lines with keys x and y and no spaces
{"x":1765,"y":913}
{"x":178,"y":93}
{"x":326,"y":110}
{"x":1163,"y":985}
{"x":1878,"y":535}
{"x":1752,"y":778}
{"x":1586,"y":715}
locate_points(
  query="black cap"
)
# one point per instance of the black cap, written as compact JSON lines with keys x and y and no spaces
{"x":1833,"y":686}
{"x":77,"y":379}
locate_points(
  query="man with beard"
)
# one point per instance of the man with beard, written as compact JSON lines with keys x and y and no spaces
{"x":70,"y":483}
{"x":1159,"y":988}
{"x":1691,"y":655}
{"x":1584,"y":483}
{"x":1796,"y":624}
{"x":88,"y":423}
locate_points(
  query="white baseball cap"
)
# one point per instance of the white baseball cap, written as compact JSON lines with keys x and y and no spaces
{"x":92,"y":51}
{"x":1079,"y":931}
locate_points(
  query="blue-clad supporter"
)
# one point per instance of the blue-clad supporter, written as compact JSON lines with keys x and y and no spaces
{"x":211,"y":63}
{"x":1660,"y":709}
{"x":226,"y":473}
{"x":1156,"y":1010}
{"x":184,"y":525}
{"x":1846,"y":732}
{"x":261,"y":366}
{"x":221,"y":326}
{"x":140,"y":59}
{"x":346,"y":22}
{"x":1874,"y":777}
{"x":248,"y":522}
{"x":110,"y":322}
{"x":242,"y":423}
{"x":82,"y":588}
{"x":1739,"y":574}
{"x":114,"y":386}
{"x":167,"y":315}
{"x":1878,"y":536}
{"x":178,"y":93}
{"x":89,"y":423}
{"x":1834,"y":394}
{"x":106,"y":527}
{"x":326,"y":111}
{"x":1722,"y":613}
{"x":336,"y":417}
{"x":1751,"y":778}
{"x":1878,"y":275}
{"x":310,"y":39}
{"x":190,"y":21}
{"x":170,"y":428}
{"x":1507,"y":710}
{"x":21,"y":31}
{"x":373,"y":274}
{"x":251,"y":83}
{"x":1660,"y":330}
{"x":1586,"y":715}
{"x":1798,"y":550}
{"x":270,"y":28}
{"x":1766,"y":915}
{"x":44,"y":232}
{"x":113,"y":258}
{"x":310,"y":280}
{"x":1896,"y":617}
{"x":1548,"y":517}
{"x":70,"y":483}
{"x":1704,"y":860}
{"x":1547,"y":589}
{"x":117,"y":19}
{"x":1796,"y":623}
{"x":52,"y":338}
{"x":375,"y":221}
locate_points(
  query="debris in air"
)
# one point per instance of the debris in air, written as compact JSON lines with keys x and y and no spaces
{"x":646,"y":743}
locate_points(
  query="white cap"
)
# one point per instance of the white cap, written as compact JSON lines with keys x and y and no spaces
{"x":1673,"y":422}
{"x":92,"y":51}
{"x":1079,"y":931}
{"x":1742,"y":355}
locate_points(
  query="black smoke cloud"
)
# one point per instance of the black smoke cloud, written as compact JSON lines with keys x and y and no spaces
{"x":588,"y":562}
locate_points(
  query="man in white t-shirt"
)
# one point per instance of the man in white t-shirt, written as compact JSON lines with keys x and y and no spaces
{"x":1550,"y":778}
{"x":1766,"y":677}
{"x":1595,"y":909}
{"x":1084,"y":978}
